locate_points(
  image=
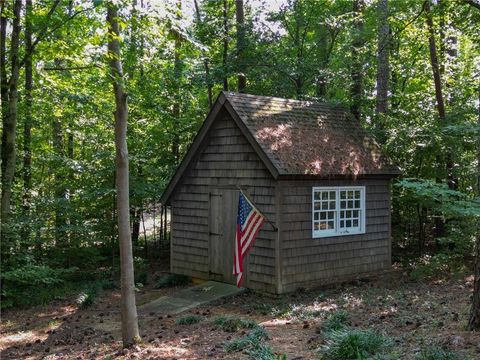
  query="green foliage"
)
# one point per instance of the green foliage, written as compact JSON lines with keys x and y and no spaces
{"x":261,"y":352}
{"x":189,"y":320}
{"x":437,"y":353}
{"x":250,"y":341}
{"x":450,"y":202}
{"x":141,"y":278}
{"x":335,"y":321}
{"x":20,"y":283}
{"x":348,"y":344}
{"x":171,"y":280}
{"x":34,"y":275}
{"x":233,"y":323}
{"x":436,"y":265}
{"x":87,"y":297}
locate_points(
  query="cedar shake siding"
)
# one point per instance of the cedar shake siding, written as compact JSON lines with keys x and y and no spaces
{"x":307,"y":261}
{"x":226,"y":161}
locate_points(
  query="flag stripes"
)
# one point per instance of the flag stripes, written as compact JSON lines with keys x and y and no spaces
{"x":249,"y":222}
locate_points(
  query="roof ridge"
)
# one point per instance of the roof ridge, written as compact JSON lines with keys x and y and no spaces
{"x":231,"y":94}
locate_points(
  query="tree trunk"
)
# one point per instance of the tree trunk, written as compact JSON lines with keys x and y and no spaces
{"x":382,"y":58}
{"x":205,"y":60}
{"x":130,"y":333}
{"x":451,"y":180}
{"x":357,"y":72}
{"x":225,"y":44}
{"x":177,"y":73}
{"x":474,"y":321}
{"x":9,"y":126}
{"x":240,"y":19}
{"x":27,"y":125}
{"x":58,"y":148}
{"x":135,"y":214}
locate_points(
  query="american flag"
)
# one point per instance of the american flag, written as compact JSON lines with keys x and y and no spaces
{"x":249,"y":222}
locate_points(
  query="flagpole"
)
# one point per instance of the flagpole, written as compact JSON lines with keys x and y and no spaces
{"x":251,"y":203}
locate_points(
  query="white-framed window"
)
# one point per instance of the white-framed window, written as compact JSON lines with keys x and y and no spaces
{"x":338,"y":211}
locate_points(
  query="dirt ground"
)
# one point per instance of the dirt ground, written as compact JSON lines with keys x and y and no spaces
{"x":414,"y":314}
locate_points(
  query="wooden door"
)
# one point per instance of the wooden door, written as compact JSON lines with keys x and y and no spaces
{"x":222,"y":223}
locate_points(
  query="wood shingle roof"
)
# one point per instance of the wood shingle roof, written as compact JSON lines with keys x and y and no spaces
{"x":307,"y":138}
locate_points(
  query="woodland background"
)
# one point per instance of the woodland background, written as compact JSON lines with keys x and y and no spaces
{"x":409,"y":71}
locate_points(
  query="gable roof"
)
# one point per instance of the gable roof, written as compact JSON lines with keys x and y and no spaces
{"x":296,"y":138}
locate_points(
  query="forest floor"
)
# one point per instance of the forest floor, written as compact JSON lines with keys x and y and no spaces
{"x":414,"y":314}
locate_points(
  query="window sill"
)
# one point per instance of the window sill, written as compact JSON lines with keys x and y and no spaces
{"x":337,"y":234}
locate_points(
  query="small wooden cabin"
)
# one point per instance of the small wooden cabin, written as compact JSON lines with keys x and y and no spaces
{"x":309,"y":168}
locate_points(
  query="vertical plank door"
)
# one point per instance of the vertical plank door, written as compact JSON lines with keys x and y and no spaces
{"x":222,"y":223}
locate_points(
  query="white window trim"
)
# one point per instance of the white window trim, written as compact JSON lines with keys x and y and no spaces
{"x":337,"y":231}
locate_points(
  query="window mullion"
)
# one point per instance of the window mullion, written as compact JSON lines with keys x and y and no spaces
{"x":337,"y":211}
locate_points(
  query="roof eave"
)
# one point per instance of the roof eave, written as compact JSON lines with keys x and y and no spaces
{"x":338,"y":176}
{"x":251,"y":139}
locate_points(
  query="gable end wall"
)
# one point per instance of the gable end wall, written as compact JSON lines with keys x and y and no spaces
{"x":227,"y":161}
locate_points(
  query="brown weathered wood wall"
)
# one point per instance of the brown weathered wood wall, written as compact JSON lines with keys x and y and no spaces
{"x":225,"y":161}
{"x":307,"y":261}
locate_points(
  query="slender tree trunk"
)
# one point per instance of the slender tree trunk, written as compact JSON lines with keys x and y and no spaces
{"x":452,"y":182}
{"x":58,"y":147}
{"x":225,"y":44}
{"x":325,"y":49}
{"x":27,"y":125}
{"x":357,"y":71}
{"x":205,"y":60}
{"x":177,"y":70}
{"x":3,"y":68}
{"x":130,"y":333}
{"x":382,"y":58}
{"x":474,"y":321}
{"x":10,"y":126}
{"x":135,"y":214}
{"x":240,"y":20}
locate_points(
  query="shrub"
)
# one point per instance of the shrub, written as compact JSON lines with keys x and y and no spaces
{"x":141,"y":278}
{"x":189,"y":320}
{"x":44,"y":282}
{"x":87,"y":297}
{"x":252,"y":340}
{"x":335,"y":321}
{"x":260,"y":352}
{"x":436,"y":353}
{"x":350,"y":344}
{"x":171,"y":280}
{"x":233,"y":324}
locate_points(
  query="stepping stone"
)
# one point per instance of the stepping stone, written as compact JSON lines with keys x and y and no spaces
{"x":189,"y":298}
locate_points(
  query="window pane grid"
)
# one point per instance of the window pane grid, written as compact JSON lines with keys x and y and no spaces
{"x":338,"y":211}
{"x":324,"y":205}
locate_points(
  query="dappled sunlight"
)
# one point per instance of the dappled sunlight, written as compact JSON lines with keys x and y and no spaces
{"x":306,"y":138}
{"x":352,"y":301}
{"x":278,"y":137}
{"x":167,"y":350}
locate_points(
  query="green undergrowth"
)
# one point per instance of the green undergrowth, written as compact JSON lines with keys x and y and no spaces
{"x":189,"y":320}
{"x":253,"y":339}
{"x":335,"y":321}
{"x":171,"y":280}
{"x":345,"y":343}
{"x":355,"y":344}
{"x":33,"y":285}
{"x":437,"y":353}
{"x":233,"y":323}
